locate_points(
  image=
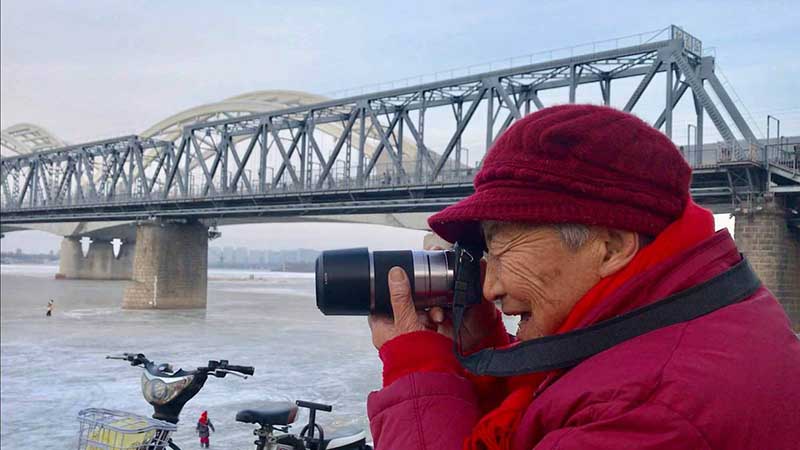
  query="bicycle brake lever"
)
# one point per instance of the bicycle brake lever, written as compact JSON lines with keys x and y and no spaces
{"x":226,"y":372}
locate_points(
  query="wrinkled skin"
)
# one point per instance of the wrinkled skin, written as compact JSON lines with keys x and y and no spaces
{"x":529,"y":271}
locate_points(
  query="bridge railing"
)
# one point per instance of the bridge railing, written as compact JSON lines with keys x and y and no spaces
{"x":784,"y":155}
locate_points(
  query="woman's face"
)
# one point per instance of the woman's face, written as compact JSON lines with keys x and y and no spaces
{"x":533,"y":274}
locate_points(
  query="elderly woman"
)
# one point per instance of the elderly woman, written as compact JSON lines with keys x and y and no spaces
{"x":585,"y":215}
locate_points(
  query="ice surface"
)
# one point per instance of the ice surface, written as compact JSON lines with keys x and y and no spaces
{"x":54,"y":367}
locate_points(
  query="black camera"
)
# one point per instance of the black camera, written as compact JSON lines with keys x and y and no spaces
{"x":355,"y":281}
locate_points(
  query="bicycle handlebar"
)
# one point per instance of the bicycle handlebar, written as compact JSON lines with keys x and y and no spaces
{"x":223,"y":364}
{"x":247,"y":370}
{"x":312,"y":405}
{"x":137,"y":359}
{"x":134,"y":358}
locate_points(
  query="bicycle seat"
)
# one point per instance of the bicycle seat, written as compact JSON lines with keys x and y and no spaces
{"x":272,"y":413}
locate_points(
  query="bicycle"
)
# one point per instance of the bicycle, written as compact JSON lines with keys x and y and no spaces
{"x":168,"y":391}
{"x":278,"y":416}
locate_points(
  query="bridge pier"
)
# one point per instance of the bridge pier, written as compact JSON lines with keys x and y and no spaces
{"x":70,"y":258}
{"x":170,"y":267}
{"x":763,"y":234}
{"x":99,"y":262}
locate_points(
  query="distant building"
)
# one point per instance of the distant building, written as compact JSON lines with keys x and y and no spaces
{"x":228,"y":258}
{"x":291,"y":256}
{"x":215,"y":257}
{"x":307,"y":255}
{"x":257,"y":258}
{"x":240,"y":256}
{"x":19,"y":257}
{"x":246,"y":258}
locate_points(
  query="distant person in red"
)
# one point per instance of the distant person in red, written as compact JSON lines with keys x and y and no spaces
{"x":203,"y":424}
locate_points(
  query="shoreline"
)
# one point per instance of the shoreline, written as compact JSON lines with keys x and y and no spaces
{"x":214,"y":274}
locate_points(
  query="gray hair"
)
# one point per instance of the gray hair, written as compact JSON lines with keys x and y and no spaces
{"x":573,"y":235}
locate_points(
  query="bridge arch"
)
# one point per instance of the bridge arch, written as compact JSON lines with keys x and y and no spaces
{"x":26,"y":138}
{"x":170,"y":128}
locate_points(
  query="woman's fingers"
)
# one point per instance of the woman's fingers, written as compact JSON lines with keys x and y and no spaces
{"x":436,"y":314}
{"x":405,"y":314}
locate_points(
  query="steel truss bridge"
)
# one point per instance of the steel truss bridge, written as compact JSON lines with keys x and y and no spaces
{"x":377,"y":153}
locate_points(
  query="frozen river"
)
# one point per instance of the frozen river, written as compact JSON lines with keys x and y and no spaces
{"x":54,"y":367}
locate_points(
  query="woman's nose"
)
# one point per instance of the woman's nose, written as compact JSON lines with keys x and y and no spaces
{"x":492,"y":288}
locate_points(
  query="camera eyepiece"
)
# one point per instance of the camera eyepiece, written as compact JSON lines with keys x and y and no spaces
{"x":355,"y":281}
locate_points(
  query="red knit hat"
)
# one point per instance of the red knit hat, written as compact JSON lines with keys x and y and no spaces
{"x":583,"y":164}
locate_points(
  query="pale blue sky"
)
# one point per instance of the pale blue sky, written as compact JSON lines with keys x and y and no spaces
{"x":95,"y":69}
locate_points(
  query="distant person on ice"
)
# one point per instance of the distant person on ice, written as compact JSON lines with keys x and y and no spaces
{"x":50,"y":307}
{"x":203,"y":424}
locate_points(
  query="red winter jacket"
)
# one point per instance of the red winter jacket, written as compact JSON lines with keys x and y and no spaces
{"x":727,"y":380}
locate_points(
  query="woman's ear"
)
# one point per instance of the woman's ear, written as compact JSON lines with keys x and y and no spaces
{"x":620,"y":247}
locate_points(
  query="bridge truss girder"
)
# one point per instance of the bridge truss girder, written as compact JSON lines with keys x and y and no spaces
{"x":141,"y":178}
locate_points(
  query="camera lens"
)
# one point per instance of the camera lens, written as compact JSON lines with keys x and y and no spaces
{"x":343,"y":282}
{"x":355,"y":281}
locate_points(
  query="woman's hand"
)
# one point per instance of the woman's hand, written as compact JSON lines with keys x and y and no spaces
{"x":406,"y":318}
{"x":479,"y":321}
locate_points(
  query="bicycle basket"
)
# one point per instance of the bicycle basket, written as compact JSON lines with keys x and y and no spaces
{"x":105,"y":429}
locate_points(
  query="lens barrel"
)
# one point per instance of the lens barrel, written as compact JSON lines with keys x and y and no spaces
{"x":355,"y":281}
